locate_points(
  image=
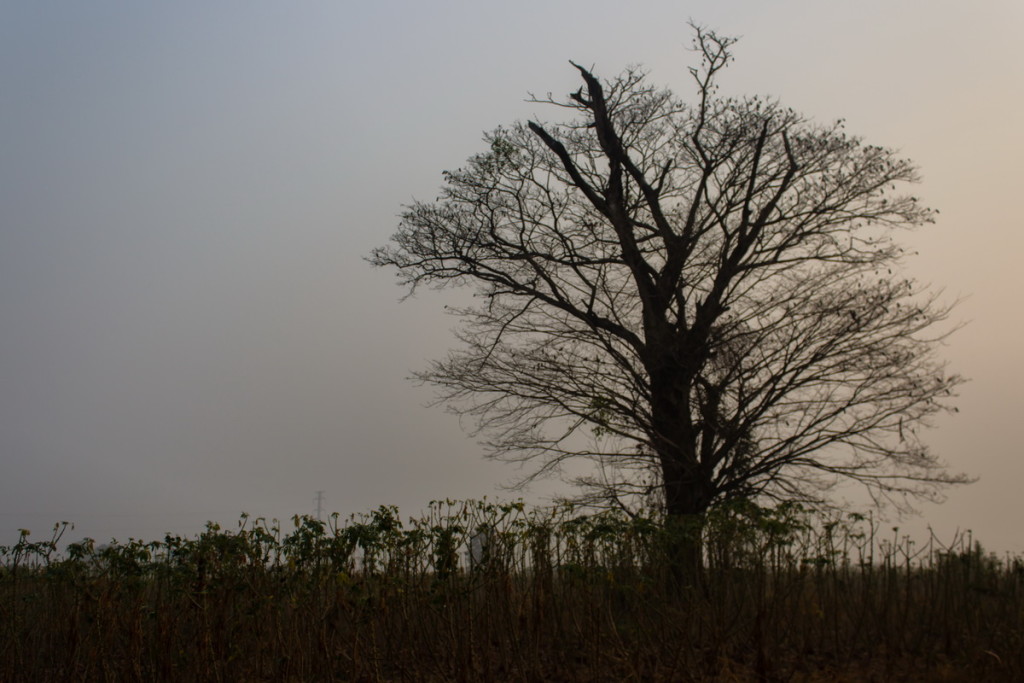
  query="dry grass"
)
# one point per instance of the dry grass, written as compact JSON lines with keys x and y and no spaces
{"x":556,"y":596}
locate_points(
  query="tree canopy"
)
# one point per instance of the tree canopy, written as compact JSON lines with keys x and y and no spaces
{"x":703,"y":298}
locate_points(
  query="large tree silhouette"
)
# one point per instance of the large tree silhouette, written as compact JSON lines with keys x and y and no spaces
{"x":701,"y":297}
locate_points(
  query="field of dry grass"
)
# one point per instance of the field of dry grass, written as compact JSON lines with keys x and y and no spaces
{"x":549,"y":595}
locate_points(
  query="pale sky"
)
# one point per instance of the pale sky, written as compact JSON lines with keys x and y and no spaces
{"x":187,"y":190}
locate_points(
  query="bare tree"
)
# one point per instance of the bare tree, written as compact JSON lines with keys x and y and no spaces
{"x":701,"y":297}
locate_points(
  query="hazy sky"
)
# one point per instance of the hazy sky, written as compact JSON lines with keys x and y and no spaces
{"x":187,"y":191}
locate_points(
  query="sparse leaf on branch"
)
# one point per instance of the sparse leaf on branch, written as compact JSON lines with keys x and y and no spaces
{"x":703,"y":298}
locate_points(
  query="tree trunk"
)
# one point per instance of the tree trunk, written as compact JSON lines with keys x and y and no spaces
{"x":687,"y":490}
{"x":687,"y":498}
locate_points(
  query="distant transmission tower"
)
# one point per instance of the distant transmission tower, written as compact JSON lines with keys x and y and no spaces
{"x":319,"y":505}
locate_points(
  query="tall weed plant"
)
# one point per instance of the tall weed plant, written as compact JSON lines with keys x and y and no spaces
{"x":476,"y":590}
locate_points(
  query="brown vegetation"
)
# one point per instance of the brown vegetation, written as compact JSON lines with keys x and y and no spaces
{"x":553,"y":595}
